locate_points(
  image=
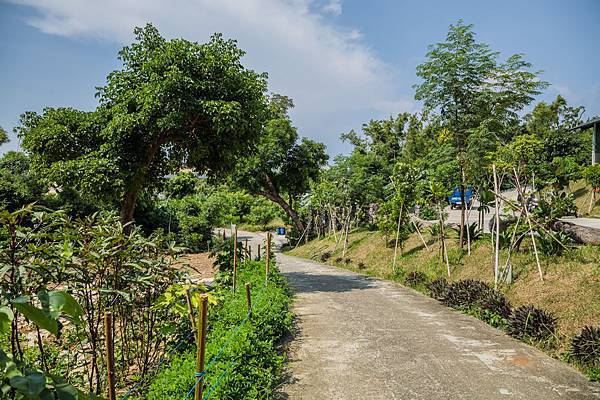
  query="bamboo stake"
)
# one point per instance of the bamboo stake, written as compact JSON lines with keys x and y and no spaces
{"x":497,"y":244}
{"x":420,"y":235}
{"x":396,"y":244}
{"x":110,"y":354}
{"x":248,"y":299}
{"x":268,"y":257}
{"x":201,"y":346}
{"x":234,"y":233}
{"x":524,"y":207}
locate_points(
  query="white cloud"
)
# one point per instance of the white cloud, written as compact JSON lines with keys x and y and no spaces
{"x":335,"y":79}
{"x":333,"y":6}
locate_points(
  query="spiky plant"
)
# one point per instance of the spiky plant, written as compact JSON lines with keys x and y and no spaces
{"x":325,"y":256}
{"x":438,"y":288}
{"x":339,"y":260}
{"x":465,"y":294}
{"x":361,"y":265}
{"x":497,"y":303}
{"x":347,"y":261}
{"x":585,"y":347}
{"x":531,"y":323}
{"x":415,"y":279}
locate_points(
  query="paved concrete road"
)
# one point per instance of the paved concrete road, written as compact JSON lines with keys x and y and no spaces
{"x":362,"y":338}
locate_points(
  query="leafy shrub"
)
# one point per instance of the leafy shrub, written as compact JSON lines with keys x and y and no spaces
{"x":415,"y":279}
{"x":585,"y":347}
{"x":531,"y":323}
{"x":554,"y":205}
{"x":553,"y":243}
{"x":592,"y":175}
{"x":325,"y":256}
{"x":438,"y":288}
{"x":249,"y":364}
{"x":428,"y":213}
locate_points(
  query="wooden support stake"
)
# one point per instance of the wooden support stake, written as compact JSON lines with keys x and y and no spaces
{"x":259,"y":255}
{"x":248,"y":299}
{"x":234,"y":233}
{"x":110,"y":354}
{"x":267,"y":257}
{"x":201,"y":346}
{"x":250,"y":252}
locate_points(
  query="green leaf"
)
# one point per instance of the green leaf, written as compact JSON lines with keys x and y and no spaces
{"x":30,"y":385}
{"x":65,"y":303}
{"x":37,"y":316}
{"x":6,"y":317}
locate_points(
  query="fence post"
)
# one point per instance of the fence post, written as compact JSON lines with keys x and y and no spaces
{"x":234,"y":234}
{"x":250,"y":252}
{"x":110,"y":354}
{"x":259,"y":255}
{"x":201,"y":347}
{"x":267,"y":257}
{"x":248,"y":299}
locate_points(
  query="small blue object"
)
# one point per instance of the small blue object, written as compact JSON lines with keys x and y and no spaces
{"x":281,"y":231}
{"x":455,"y":198}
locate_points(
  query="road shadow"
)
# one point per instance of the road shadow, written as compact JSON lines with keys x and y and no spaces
{"x":307,"y":282}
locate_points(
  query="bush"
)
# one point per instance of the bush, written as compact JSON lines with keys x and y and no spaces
{"x":415,"y":279}
{"x":531,"y":323}
{"x":585,"y":347}
{"x":249,"y":366}
{"x":496,"y":303}
{"x":325,"y":256}
{"x":361,"y":265}
{"x":428,"y":213}
{"x":438,"y":288}
{"x":465,"y":294}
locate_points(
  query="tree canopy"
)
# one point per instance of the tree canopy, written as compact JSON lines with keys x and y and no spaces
{"x":174,"y":103}
{"x":282,"y":163}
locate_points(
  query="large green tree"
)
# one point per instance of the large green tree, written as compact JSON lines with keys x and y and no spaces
{"x":464,"y":81}
{"x":18,"y":183}
{"x":173,"y":103}
{"x":282,"y":165}
{"x":3,"y":136}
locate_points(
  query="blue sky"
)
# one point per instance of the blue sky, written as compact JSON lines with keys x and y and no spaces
{"x":343,"y":61}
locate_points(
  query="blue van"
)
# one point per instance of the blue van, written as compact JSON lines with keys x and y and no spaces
{"x":454,"y":198}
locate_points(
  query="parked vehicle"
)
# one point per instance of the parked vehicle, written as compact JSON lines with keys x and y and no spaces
{"x":455,"y":199}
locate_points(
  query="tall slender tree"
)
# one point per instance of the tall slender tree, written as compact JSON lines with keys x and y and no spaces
{"x":464,"y":81}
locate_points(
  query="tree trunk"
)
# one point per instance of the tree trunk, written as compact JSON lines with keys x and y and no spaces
{"x":135,"y":187}
{"x":273,"y":195}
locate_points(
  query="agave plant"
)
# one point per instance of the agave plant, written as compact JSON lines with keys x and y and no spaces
{"x":585,"y":347}
{"x":531,"y":323}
